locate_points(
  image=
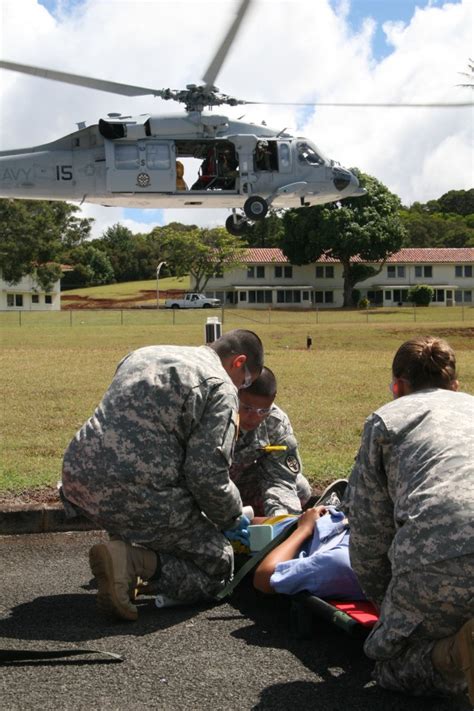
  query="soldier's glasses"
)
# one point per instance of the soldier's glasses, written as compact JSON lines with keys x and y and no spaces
{"x":261,"y":411}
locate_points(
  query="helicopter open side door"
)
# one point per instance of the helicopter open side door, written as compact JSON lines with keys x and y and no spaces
{"x":140,"y":166}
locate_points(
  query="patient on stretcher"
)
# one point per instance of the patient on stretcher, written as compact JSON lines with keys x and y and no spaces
{"x":315,"y":558}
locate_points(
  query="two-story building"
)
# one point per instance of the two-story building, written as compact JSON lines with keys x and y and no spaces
{"x":28,"y":296}
{"x":267,"y":279}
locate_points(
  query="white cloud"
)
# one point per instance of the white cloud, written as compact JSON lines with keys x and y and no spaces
{"x":287,"y":51}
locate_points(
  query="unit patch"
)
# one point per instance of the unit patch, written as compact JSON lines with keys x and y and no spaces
{"x":293,"y":464}
{"x":143,"y":180}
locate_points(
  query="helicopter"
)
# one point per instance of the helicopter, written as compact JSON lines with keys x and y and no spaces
{"x":138,"y":161}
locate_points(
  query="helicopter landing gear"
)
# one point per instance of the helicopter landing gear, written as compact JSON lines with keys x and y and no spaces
{"x":255,"y":208}
{"x":236,"y":225}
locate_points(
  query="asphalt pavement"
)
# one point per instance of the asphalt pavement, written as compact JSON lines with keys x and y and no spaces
{"x":238,"y":655}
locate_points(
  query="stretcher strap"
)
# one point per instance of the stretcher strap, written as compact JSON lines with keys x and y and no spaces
{"x":360,"y":610}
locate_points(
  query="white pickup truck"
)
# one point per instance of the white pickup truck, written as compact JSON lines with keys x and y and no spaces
{"x":192,"y":301}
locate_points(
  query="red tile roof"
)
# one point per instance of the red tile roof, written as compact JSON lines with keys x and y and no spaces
{"x":418,"y":255}
{"x":433,"y":254}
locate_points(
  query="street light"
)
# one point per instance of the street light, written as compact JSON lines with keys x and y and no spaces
{"x":158,"y":268}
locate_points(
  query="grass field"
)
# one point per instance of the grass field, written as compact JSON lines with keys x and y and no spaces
{"x":56,"y":366}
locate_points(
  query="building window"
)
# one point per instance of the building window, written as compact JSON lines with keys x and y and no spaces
{"x":10,"y":300}
{"x":423,"y":271}
{"x":242,"y":296}
{"x":400,"y":296}
{"x":260,"y":297}
{"x":258,"y":272}
{"x":285,"y":272}
{"x":438,"y":296}
{"x":388,"y":296}
{"x":395,"y":271}
{"x":48,"y":298}
{"x":467,"y":297}
{"x":323,"y":297}
{"x":326,"y":272}
{"x":463,"y":270}
{"x":35,"y":299}
{"x":305,"y":296}
{"x":288,"y":296}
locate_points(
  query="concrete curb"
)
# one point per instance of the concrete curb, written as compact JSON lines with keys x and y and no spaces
{"x":26,"y":518}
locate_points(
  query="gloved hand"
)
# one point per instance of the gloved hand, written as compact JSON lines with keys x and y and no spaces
{"x":240,"y":532}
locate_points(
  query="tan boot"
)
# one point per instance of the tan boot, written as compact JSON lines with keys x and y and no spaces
{"x":111,"y":564}
{"x":144,"y":563}
{"x":454,"y":656}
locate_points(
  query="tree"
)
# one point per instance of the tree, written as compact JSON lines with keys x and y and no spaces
{"x":367,"y":228}
{"x":31,"y":238}
{"x":201,"y":253}
{"x":92,"y":267}
{"x":267,"y":232}
{"x":420,"y":294}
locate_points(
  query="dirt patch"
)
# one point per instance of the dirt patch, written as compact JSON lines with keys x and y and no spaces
{"x":74,"y":301}
{"x":44,"y":496}
{"x":467,"y":332}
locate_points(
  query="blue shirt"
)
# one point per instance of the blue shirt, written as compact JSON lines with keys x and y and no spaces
{"x":322,"y":566}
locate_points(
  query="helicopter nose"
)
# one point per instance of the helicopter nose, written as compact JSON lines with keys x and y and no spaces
{"x":345,"y":180}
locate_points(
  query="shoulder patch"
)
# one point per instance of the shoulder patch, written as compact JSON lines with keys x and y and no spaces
{"x":293,"y":464}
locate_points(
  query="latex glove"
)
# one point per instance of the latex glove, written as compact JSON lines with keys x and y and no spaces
{"x":240,"y":532}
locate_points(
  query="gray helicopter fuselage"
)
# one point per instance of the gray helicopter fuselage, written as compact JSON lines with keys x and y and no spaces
{"x":133,"y":162}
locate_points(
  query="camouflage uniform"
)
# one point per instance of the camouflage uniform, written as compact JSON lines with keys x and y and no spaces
{"x":410,"y":503}
{"x":272,"y":483}
{"x":152,"y":464}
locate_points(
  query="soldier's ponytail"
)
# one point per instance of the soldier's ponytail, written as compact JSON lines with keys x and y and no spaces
{"x":425,"y":362}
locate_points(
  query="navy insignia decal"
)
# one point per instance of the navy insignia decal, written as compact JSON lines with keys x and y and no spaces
{"x":143,"y":180}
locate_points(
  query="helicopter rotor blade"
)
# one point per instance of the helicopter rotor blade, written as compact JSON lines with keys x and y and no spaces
{"x":356,"y":104}
{"x":78,"y":80}
{"x":219,"y":57}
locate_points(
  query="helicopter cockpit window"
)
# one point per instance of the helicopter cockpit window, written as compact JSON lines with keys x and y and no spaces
{"x":158,"y":156}
{"x":307,"y":154}
{"x":126,"y":156}
{"x":284,"y":156}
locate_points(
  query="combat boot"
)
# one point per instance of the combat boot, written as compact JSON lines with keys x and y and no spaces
{"x":111,"y":564}
{"x":454,"y":656}
{"x":145,"y":563}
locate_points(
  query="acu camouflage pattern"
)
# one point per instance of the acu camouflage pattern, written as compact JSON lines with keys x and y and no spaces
{"x":152,"y":464}
{"x":272,"y":483}
{"x":419,"y":608}
{"x":410,"y":503}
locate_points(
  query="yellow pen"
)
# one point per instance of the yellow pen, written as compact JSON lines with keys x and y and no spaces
{"x":274,"y":448}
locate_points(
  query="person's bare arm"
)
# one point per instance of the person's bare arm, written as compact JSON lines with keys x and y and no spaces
{"x":286,"y":550}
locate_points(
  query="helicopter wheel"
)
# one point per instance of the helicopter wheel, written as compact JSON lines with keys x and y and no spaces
{"x":236,"y":227}
{"x":255,"y":208}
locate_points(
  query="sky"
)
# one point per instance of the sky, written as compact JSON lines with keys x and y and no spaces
{"x":287,"y":50}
